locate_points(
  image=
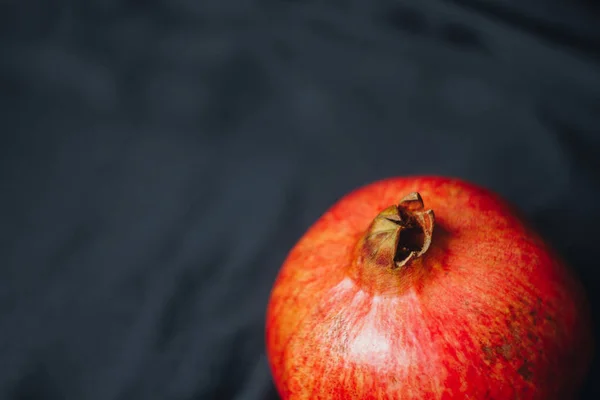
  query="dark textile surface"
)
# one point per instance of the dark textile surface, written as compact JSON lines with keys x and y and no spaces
{"x":159,"y":158}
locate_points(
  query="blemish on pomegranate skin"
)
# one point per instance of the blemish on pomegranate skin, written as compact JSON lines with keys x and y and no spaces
{"x":488,"y":354}
{"x":552,"y":325}
{"x":533,"y":314}
{"x":506,"y":350}
{"x":532,"y":337}
{"x":514,"y":331}
{"x":525,"y":371}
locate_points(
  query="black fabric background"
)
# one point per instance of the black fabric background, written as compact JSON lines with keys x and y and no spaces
{"x":159,"y":158}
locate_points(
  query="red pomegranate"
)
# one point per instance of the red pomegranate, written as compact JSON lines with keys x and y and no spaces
{"x":382,"y":300}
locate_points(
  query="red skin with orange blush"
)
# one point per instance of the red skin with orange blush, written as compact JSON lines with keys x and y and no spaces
{"x":384,"y":299}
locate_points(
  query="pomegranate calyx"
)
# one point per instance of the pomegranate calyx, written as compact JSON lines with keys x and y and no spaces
{"x":416,"y":229}
{"x":400,"y":233}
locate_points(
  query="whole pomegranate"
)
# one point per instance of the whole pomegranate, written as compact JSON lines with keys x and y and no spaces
{"x":382,"y":300}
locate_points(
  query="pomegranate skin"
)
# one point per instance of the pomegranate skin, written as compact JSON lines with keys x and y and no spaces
{"x":488,"y":312}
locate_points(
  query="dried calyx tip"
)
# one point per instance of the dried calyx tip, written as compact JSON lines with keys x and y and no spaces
{"x":415,"y":229}
{"x":399,"y":234}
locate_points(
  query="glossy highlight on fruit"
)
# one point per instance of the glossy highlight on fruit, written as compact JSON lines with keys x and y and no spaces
{"x":426,"y":288}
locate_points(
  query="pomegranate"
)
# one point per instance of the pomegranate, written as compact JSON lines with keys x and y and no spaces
{"x":426,"y":288}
